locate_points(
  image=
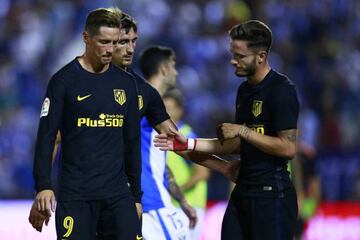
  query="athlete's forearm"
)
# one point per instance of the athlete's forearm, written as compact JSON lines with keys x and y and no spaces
{"x":213,"y":146}
{"x":284,"y":145}
{"x":50,"y":121}
{"x":56,"y":146}
{"x":133,"y":167}
{"x":207,"y":160}
{"x":168,"y":127}
{"x":174,"y":189}
{"x":199,"y":173}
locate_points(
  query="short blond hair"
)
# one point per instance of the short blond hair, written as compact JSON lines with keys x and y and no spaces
{"x":101,"y":17}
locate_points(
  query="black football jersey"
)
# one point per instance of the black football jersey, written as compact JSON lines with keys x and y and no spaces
{"x":151,"y":104}
{"x":267,"y":108}
{"x":99,"y":121}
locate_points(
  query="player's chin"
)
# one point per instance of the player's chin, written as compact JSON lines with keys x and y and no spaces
{"x":127,"y":61}
{"x":240,"y":73}
{"x":106,"y":60}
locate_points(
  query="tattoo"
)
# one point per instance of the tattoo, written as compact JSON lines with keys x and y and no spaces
{"x":290,"y":135}
{"x":244,"y":132}
{"x":174,"y":189}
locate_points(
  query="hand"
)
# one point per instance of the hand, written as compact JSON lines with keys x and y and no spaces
{"x":45,"y":201}
{"x":228,"y":131}
{"x":139,"y":209}
{"x":232,"y":170}
{"x":190,"y":213}
{"x":175,"y":142}
{"x":37,"y":218}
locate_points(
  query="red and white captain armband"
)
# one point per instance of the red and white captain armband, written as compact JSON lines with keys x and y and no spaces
{"x":189,"y":145}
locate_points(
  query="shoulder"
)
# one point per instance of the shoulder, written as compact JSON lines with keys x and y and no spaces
{"x":125,"y":76}
{"x":65,"y":74}
{"x":143,"y":85}
{"x":281,"y":85}
{"x":139,"y":79}
{"x":282,"y":81}
{"x":127,"y":79}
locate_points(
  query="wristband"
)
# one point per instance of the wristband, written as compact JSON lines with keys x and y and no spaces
{"x":189,"y":145}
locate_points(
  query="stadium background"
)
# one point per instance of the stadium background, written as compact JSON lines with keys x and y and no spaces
{"x":316,"y":43}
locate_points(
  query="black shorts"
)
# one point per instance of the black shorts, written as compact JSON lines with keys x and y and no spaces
{"x":109,"y":219}
{"x":257,"y":218}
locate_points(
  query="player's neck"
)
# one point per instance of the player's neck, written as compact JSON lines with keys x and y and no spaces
{"x":91,"y":64}
{"x":157,"y":83}
{"x":259,"y":75}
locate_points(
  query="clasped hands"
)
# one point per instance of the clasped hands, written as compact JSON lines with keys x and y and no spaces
{"x":178,"y":142}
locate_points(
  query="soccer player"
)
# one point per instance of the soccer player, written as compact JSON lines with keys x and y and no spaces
{"x":161,"y":219}
{"x":263,"y":204}
{"x":94,"y":104}
{"x":152,"y":107}
{"x":190,"y":177}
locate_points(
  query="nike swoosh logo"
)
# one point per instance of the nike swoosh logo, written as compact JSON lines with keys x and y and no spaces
{"x":138,"y":237}
{"x":79,"y":98}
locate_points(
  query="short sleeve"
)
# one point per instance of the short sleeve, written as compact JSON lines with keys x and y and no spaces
{"x":156,"y":111}
{"x":285,"y":107}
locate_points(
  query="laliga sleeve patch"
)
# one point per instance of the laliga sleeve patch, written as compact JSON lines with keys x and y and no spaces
{"x":45,"y":108}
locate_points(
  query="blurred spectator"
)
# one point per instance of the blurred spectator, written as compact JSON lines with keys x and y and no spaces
{"x":190,"y":177}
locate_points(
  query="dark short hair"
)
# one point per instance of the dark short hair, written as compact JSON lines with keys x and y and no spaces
{"x":126,"y":21}
{"x":176,"y":95}
{"x":152,"y":58}
{"x":101,"y":17}
{"x":256,"y":33}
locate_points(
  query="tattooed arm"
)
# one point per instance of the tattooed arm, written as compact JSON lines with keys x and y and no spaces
{"x":284,"y":145}
{"x":177,"y":194}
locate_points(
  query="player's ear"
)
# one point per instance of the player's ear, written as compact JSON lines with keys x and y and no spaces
{"x":86,"y":37}
{"x":162,"y":69}
{"x":261,"y":57}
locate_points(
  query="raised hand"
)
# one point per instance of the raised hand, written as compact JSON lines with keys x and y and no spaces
{"x":228,"y":131}
{"x":175,"y":142}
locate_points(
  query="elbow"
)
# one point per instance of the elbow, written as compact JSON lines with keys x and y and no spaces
{"x":289,"y":153}
{"x":206,"y":175}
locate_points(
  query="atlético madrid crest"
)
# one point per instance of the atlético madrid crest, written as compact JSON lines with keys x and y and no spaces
{"x":120,"y":96}
{"x":141,"y":102}
{"x":257,"y":107}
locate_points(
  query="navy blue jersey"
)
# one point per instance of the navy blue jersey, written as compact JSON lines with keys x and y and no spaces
{"x":267,"y":108}
{"x":99,"y":121}
{"x":151,"y":104}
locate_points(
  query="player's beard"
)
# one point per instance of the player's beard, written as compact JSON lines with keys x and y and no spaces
{"x":248,"y":71}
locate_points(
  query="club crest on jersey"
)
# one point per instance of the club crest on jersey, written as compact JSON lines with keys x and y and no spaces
{"x":141,"y":102}
{"x":120,"y":96}
{"x":257,"y":107}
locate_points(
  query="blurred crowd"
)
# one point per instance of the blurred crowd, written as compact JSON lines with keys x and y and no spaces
{"x":316,"y":43}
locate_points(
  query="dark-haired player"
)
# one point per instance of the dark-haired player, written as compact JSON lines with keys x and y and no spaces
{"x":94,"y":104}
{"x":263,"y":204}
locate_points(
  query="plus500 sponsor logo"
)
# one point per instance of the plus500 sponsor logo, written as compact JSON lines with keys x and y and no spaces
{"x":105,"y":120}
